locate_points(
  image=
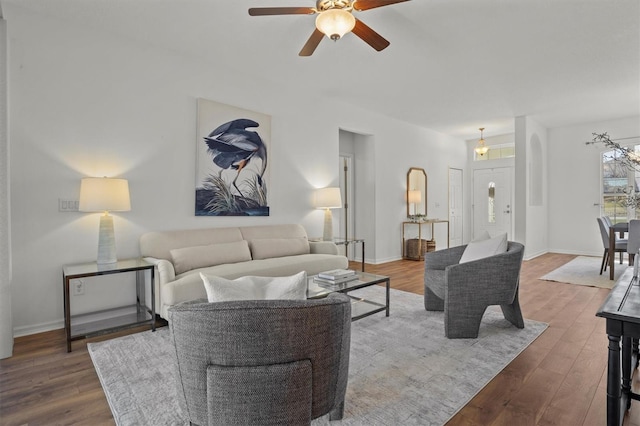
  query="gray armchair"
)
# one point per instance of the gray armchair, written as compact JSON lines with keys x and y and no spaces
{"x":262,"y":362}
{"x":465,"y":290}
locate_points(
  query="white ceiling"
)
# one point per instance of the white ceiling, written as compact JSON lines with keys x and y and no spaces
{"x":452,"y":66}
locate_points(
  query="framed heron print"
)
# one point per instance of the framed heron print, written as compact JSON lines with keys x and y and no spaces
{"x":232,"y":173}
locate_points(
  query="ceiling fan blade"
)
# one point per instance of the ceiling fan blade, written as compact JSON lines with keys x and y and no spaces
{"x":264,"y":11}
{"x":311,"y":44}
{"x":360,"y":5}
{"x":370,"y":37}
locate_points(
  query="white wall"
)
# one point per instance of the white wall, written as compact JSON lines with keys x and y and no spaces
{"x":537,"y":210}
{"x":85,"y":103}
{"x":574,"y":184}
{"x":6,"y":323}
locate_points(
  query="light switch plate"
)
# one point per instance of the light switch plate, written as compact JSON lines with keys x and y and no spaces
{"x":67,"y":205}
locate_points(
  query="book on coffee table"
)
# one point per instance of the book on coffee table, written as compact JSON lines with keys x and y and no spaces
{"x":337,"y":274}
{"x":325,"y":281}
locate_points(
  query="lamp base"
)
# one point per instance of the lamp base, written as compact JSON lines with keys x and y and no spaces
{"x":327,"y":235}
{"x":106,"y":241}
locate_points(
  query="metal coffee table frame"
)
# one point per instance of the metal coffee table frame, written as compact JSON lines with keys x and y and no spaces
{"x":360,"y":307}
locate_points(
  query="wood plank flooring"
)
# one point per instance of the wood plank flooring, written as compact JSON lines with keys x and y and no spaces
{"x":560,"y":379}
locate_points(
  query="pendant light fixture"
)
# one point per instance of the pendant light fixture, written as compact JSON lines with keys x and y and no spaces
{"x":481,"y":149}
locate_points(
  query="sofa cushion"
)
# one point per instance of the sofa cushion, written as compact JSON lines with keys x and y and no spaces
{"x":484,"y":248}
{"x":267,"y":248}
{"x":484,"y":235}
{"x":255,"y":288}
{"x":159,"y":244}
{"x":188,"y":258}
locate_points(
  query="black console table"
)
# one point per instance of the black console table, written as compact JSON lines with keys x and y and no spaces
{"x":622,"y":312}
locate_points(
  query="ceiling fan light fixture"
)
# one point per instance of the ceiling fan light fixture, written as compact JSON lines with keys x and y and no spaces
{"x":481,"y":149}
{"x":335,"y":23}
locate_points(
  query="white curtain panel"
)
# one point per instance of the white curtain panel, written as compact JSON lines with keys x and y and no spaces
{"x":6,"y":322}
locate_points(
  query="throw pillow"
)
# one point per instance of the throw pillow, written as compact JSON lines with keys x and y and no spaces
{"x":483,"y":236}
{"x":188,"y":258}
{"x":267,"y":248}
{"x":484,"y":248}
{"x":255,"y":288}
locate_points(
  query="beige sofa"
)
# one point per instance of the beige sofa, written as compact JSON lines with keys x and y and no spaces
{"x":270,"y":250}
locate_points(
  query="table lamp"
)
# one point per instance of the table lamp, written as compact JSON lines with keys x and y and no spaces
{"x":327,"y":199}
{"x":105,"y":195}
{"x":415,"y":198}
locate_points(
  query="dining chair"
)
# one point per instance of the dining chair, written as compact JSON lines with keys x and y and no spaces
{"x":608,"y":223}
{"x":633,"y":244}
{"x":620,"y":247}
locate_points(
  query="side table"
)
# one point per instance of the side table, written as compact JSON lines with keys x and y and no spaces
{"x":140,"y":317}
{"x":621,"y":309}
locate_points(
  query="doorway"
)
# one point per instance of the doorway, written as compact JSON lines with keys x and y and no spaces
{"x":492,"y":201}
{"x":455,"y":207}
{"x":357,"y":185}
{"x":347,"y":222}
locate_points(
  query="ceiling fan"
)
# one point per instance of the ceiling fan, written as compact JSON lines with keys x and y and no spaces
{"x":335,"y":19}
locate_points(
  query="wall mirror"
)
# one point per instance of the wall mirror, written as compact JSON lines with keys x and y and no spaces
{"x":416,"y":192}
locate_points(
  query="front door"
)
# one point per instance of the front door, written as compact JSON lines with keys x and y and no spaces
{"x":492,"y":204}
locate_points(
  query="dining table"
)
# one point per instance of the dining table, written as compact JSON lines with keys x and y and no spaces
{"x":621,"y":228}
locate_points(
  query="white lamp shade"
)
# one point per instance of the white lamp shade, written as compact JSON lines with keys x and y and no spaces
{"x":104,"y":194}
{"x":328,"y":198}
{"x":335,"y":23}
{"x":415,"y":196}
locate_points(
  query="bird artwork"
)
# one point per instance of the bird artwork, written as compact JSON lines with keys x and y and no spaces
{"x":241,"y":157}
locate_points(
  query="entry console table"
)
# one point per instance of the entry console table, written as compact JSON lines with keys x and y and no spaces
{"x":140,"y":316}
{"x":407,"y":225}
{"x":622,"y":312}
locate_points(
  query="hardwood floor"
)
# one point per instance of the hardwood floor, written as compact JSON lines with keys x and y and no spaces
{"x":560,"y":379}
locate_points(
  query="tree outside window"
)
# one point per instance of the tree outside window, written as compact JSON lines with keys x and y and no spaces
{"x":620,"y":186}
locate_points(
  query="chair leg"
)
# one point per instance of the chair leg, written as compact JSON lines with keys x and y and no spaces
{"x":512,"y":313}
{"x":431,"y":301}
{"x":337,"y":413}
{"x":603,"y":267}
{"x":621,"y":258}
{"x":463,"y":324}
{"x":632,"y":257}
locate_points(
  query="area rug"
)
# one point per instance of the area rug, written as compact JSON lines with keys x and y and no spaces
{"x":402,"y":369}
{"x":585,"y":270}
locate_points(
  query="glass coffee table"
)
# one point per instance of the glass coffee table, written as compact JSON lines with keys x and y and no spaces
{"x":360,"y":307}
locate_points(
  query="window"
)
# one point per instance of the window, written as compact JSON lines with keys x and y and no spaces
{"x":497,"y":151}
{"x":491,"y":203}
{"x":617,"y":182}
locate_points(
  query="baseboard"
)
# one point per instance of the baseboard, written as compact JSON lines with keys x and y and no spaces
{"x":577,"y":253}
{"x":37,"y":328}
{"x":387,"y":260}
{"x":534,"y":255}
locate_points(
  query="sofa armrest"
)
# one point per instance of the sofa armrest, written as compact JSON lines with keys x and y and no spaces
{"x":323,"y":247}
{"x":164,"y":268}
